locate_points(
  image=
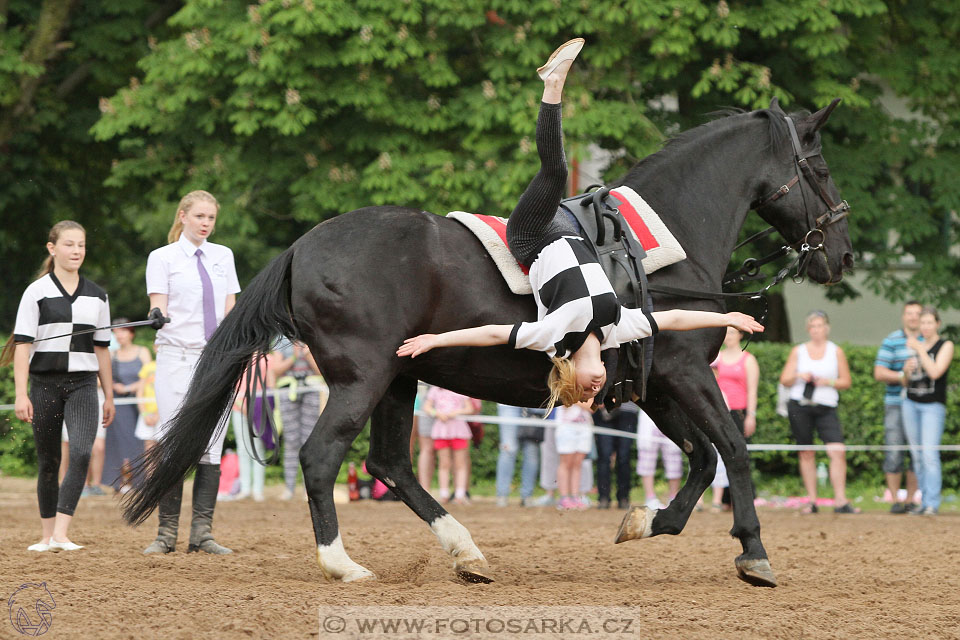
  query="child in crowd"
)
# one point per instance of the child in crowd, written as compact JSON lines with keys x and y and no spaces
{"x":650,"y":442}
{"x":451,"y":440}
{"x":574,"y":439}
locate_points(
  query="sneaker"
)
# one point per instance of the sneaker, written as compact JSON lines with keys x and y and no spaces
{"x":623,"y":503}
{"x":287,"y":494}
{"x":654,"y":504}
{"x":63,"y":546}
{"x":583,"y":503}
{"x":603,"y":503}
{"x":95,"y":490}
{"x":503,"y":501}
{"x":40,"y":546}
{"x":898,"y":507}
{"x":913,"y":508}
{"x":928,"y":511}
{"x":567,"y":504}
{"x":546,"y":500}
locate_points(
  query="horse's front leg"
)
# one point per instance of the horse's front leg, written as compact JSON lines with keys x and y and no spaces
{"x":708,"y":412}
{"x":389,"y":461}
{"x":320,"y":458}
{"x":642,"y":522}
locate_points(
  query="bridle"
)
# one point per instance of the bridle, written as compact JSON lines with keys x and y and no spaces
{"x":836,"y":211}
{"x":811,"y":242}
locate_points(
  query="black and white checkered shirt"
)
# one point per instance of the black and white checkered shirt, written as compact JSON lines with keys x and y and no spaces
{"x":574,"y":299}
{"x":46,"y":310}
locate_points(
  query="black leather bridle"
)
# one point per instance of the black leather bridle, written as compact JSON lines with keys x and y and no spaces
{"x":835,"y":212}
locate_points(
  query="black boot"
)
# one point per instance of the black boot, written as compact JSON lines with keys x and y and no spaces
{"x":205,"y":486}
{"x":169,"y":514}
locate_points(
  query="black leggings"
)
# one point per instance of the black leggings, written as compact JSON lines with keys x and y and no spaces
{"x":535,"y":215}
{"x":55,"y":397}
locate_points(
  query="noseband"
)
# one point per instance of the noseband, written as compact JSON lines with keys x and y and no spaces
{"x":836,"y":211}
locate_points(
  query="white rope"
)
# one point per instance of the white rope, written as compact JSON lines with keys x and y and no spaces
{"x":552,"y":424}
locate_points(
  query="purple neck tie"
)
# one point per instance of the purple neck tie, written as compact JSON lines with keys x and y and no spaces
{"x":209,"y":308}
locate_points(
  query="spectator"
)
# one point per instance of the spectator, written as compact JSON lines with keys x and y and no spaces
{"x":738,"y":375}
{"x":147,"y":406}
{"x":423,"y":426}
{"x":514,"y":438}
{"x":252,"y":471}
{"x":294,"y":368}
{"x":924,"y":408}
{"x":650,"y":442}
{"x":55,"y":380}
{"x":816,"y":371}
{"x":574,"y":441}
{"x":622,"y":419}
{"x":451,"y":440}
{"x":888,"y":368}
{"x":122,"y":444}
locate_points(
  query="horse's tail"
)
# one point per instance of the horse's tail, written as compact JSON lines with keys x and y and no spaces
{"x":261,"y":314}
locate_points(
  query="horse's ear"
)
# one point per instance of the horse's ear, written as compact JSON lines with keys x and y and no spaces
{"x":775,"y":107}
{"x":816,"y":120}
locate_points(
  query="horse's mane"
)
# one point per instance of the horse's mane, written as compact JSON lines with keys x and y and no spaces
{"x":723,"y":119}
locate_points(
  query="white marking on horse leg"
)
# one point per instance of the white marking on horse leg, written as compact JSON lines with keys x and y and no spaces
{"x":456,"y":540}
{"x":337,"y":565}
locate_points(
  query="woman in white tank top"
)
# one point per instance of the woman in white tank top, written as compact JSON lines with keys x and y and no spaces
{"x":815,"y":372}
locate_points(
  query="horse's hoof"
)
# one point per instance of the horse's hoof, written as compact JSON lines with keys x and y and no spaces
{"x":474,"y":572}
{"x":638,"y":523}
{"x":756,"y":572}
{"x":359,"y":576}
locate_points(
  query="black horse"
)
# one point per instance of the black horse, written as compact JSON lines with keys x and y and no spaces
{"x":355,"y":286}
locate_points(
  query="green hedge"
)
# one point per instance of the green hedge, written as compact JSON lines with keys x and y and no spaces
{"x":861,"y":413}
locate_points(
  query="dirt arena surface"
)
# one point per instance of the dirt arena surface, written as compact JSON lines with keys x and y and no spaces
{"x":864,"y":576}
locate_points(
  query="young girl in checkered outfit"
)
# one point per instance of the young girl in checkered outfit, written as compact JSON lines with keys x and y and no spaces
{"x":578,"y":314}
{"x":62,"y":374}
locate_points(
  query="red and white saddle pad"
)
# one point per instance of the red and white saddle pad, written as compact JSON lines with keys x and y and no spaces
{"x":644,"y":223}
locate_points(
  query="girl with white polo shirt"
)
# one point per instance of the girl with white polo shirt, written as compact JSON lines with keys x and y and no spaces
{"x":194,"y":282}
{"x":62,"y":374}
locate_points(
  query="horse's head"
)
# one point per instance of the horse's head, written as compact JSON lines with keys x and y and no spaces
{"x":799,"y":198}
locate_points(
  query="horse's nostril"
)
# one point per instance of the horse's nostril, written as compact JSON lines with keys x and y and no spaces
{"x":847,"y":261}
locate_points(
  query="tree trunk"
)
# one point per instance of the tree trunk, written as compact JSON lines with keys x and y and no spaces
{"x":54,"y":16}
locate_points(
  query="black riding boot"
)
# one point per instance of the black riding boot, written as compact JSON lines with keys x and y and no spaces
{"x":169,"y":515}
{"x":205,"y":486}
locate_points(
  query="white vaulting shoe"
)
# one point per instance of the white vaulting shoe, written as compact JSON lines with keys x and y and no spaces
{"x":40,"y":546}
{"x":567,"y":51}
{"x":63,"y":546}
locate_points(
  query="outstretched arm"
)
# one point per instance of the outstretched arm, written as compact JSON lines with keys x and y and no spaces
{"x":485,"y":336}
{"x":685,"y":320}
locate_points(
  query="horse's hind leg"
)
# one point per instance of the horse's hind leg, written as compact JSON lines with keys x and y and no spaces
{"x":641,"y":522}
{"x":389,"y":461}
{"x":320,"y":458}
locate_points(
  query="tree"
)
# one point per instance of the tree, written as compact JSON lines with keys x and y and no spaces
{"x":292,"y":111}
{"x":57,"y":57}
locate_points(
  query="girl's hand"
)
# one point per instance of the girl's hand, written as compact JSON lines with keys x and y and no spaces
{"x":413,"y":347}
{"x":916,"y":345}
{"x":119,"y":388}
{"x":743,"y":322}
{"x":749,"y":425}
{"x":108,"y":412}
{"x":24,"y":409}
{"x":151,"y":419}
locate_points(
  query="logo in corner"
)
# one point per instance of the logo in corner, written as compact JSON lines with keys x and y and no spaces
{"x":30,"y":609}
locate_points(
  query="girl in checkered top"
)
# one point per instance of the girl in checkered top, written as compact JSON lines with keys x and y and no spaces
{"x":62,"y":372}
{"x":578,"y":314}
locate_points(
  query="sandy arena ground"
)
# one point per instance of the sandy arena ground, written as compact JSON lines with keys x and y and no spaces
{"x":864,"y":576}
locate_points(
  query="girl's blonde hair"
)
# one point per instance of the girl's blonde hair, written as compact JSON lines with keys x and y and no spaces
{"x":563,"y":385}
{"x":186,"y":202}
{"x":6,"y":356}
